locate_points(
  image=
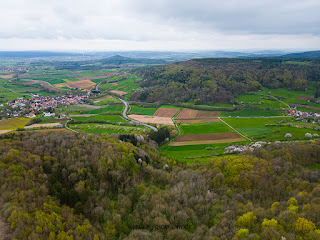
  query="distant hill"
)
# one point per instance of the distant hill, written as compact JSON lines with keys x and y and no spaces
{"x":119,"y":60}
{"x":311,"y":54}
{"x":34,"y":54}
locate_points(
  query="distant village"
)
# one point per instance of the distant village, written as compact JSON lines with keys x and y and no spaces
{"x":300,"y":114}
{"x":46,"y":105}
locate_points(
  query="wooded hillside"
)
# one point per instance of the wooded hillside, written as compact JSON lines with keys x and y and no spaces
{"x":209,"y":81}
{"x":67,"y":186}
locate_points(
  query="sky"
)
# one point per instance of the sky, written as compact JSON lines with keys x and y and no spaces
{"x":180,"y":25}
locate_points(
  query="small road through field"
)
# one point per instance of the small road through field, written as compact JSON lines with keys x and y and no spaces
{"x":124,"y":114}
{"x":126,"y":108}
{"x":242,"y":135}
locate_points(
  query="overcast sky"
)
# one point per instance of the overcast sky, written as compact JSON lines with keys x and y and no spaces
{"x":159,"y":24}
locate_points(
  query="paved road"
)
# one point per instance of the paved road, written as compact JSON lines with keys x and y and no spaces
{"x":124,"y":113}
{"x":235,"y":130}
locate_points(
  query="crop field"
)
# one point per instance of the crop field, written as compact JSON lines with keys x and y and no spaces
{"x":187,"y":113}
{"x":13,"y":123}
{"x":197,"y":120}
{"x":99,"y":128}
{"x":190,"y":113}
{"x":7,"y":95}
{"x":142,"y":111}
{"x":201,"y":152}
{"x":195,"y":139}
{"x":120,"y":93}
{"x":252,"y":113}
{"x":260,"y":129}
{"x":111,"y":118}
{"x":152,"y":119}
{"x":83,"y":84}
{"x":165,"y":112}
{"x":202,"y":128}
{"x":44,"y":84}
{"x":260,"y":101}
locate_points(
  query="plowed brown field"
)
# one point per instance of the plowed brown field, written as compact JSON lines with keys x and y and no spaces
{"x":165,"y":112}
{"x":121,"y":93}
{"x":207,"y":114}
{"x":83,"y":84}
{"x":187,"y":113}
{"x":152,"y":119}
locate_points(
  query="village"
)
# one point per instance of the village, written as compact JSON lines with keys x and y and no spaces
{"x":46,"y":105}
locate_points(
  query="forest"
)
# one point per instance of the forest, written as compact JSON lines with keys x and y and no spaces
{"x":210,"y":81}
{"x":75,"y":186}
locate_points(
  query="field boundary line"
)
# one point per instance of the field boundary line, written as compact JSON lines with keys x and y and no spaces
{"x":241,"y":134}
{"x":177,"y":127}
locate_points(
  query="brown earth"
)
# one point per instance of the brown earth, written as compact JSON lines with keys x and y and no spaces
{"x":187,"y":113}
{"x":310,"y":107}
{"x":303,"y":98}
{"x":207,"y":114}
{"x":43,"y":84}
{"x":83,"y":84}
{"x":47,"y":130}
{"x":5,"y":131}
{"x":101,"y":98}
{"x":107,"y":75}
{"x":199,"y":120}
{"x":165,"y":112}
{"x":152,"y":119}
{"x":204,"y":137}
{"x":47,"y":125}
{"x":121,"y":93}
{"x":207,"y":142}
{"x":6,"y":76}
{"x":114,"y":84}
{"x":27,"y":90}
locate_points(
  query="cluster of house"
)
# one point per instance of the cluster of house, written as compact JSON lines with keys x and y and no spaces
{"x":18,"y":107}
{"x":295,"y":113}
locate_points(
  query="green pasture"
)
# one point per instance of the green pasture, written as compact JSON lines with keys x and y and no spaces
{"x":252,"y":113}
{"x":142,"y":111}
{"x":202,"y":152}
{"x":204,"y":128}
{"x":99,"y":128}
{"x":111,"y":118}
{"x":256,"y":128}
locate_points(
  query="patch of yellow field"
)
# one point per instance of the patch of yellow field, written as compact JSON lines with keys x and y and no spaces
{"x":13,"y":123}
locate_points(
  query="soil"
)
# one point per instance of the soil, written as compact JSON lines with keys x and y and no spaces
{"x":187,"y":113}
{"x":152,"y":119}
{"x":121,"y":93}
{"x":83,"y":84}
{"x":165,"y":112}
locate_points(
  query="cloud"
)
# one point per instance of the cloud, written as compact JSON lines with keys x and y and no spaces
{"x":162,"y":21}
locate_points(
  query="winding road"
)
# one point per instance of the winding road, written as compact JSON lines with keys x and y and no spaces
{"x":124,"y":114}
{"x":126,"y":108}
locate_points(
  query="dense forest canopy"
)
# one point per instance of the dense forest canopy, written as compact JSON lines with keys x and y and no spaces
{"x":210,"y":81}
{"x":73,"y":186}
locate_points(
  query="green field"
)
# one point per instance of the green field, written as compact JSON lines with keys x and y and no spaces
{"x":142,"y":111}
{"x":111,"y":118}
{"x":99,"y":128}
{"x":252,"y":113}
{"x":106,"y":109}
{"x":14,"y":123}
{"x":203,"y":128}
{"x":182,"y":153}
{"x":256,"y":128}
